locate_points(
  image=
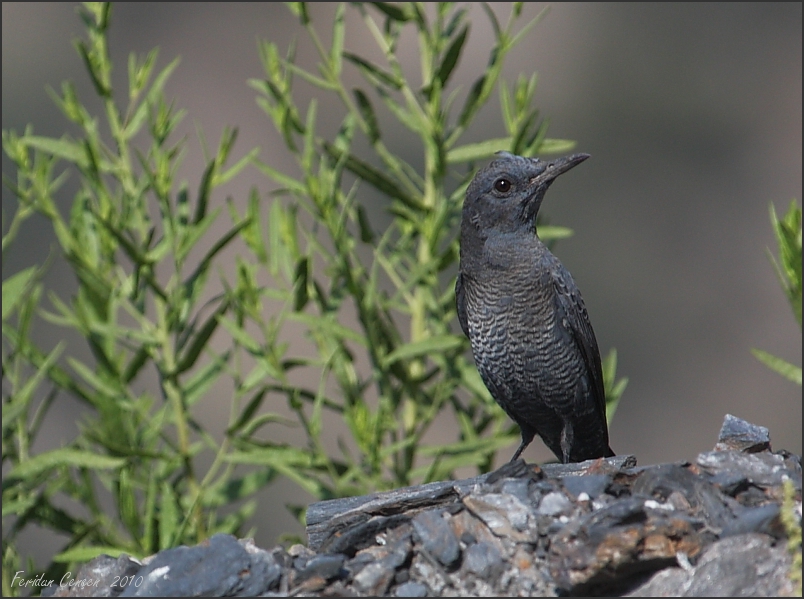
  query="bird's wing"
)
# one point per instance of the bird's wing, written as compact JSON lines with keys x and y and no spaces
{"x":460,"y":304}
{"x":571,"y":310}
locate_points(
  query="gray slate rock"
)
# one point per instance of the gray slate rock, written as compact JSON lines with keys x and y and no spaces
{"x":436,"y":537}
{"x":740,"y":566}
{"x":484,"y":560}
{"x":219,"y":567}
{"x":104,"y":576}
{"x":738,"y":435}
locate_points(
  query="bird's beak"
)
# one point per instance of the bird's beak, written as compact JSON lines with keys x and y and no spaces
{"x":558,"y":166}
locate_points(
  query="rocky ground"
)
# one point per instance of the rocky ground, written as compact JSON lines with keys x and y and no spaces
{"x":604,"y":527}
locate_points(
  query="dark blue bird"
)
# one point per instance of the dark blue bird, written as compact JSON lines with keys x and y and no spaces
{"x":530,"y":333}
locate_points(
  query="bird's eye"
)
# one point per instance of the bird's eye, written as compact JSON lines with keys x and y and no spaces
{"x":502,"y":185}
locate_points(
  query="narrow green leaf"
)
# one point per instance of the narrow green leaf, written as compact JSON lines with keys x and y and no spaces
{"x":286,"y":181}
{"x":169,"y":517}
{"x":788,"y":237}
{"x":374,"y":73}
{"x":432,"y":345}
{"x":458,"y":17}
{"x":140,"y":72}
{"x":493,"y":18}
{"x":239,"y":488}
{"x":193,"y":234}
{"x":135,"y":364}
{"x":613,"y":388}
{"x":150,"y":101}
{"x":310,"y":147}
{"x":14,"y":287}
{"x":238,"y":166}
{"x":338,"y":31}
{"x":240,"y":335}
{"x":300,"y":285}
{"x":200,"y":339}
{"x":62,"y":148}
{"x":73,"y":458}
{"x":93,"y":68}
{"x":131,"y":250}
{"x":328,"y":326}
{"x":127,"y":503}
{"x":451,"y":57}
{"x":276,"y":251}
{"x":107,"y":388}
{"x":392,"y":11}
{"x":367,"y":112}
{"x":786,"y":369}
{"x":520,"y":35}
{"x":366,"y":234}
{"x":199,"y":382}
{"x":84,"y":554}
{"x":252,"y":425}
{"x":300,"y":10}
{"x":310,"y":78}
{"x":555,"y":146}
{"x":374,"y":177}
{"x":203,"y":265}
{"x":248,"y":412}
{"x":289,"y":461}
{"x":473,"y":101}
{"x":21,"y":398}
{"x":552,"y":232}
{"x":613,"y":398}
{"x":204,"y":190}
{"x":479,"y":150}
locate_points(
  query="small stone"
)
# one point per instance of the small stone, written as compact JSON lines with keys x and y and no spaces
{"x":437,"y":538}
{"x":503,"y":514}
{"x":554,"y":504}
{"x":299,"y":550}
{"x":275,"y":562}
{"x":484,"y":560}
{"x":425,"y":570}
{"x":374,"y":579}
{"x":411,"y":589}
{"x":738,"y":435}
{"x":516,"y":487}
{"x":301,"y":555}
{"x":324,"y":566}
{"x":591,"y":484}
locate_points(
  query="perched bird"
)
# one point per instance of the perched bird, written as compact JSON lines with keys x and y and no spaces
{"x":530,"y":333}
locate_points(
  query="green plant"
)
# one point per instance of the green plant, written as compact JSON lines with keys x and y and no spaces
{"x":142,"y":250}
{"x":140,"y":446}
{"x":792,"y":526}
{"x":399,"y":282}
{"x":788,"y":269}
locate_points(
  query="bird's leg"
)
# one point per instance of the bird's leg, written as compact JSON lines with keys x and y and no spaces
{"x":527,"y":437}
{"x":566,"y":442}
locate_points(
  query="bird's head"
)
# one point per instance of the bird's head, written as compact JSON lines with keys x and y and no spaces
{"x":506,"y":195}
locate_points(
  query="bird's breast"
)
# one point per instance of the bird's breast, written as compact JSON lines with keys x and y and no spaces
{"x":515,"y":333}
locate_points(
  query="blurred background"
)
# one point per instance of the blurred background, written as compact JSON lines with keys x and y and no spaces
{"x":692,"y":115}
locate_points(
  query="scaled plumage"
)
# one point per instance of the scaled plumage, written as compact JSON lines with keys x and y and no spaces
{"x":530,"y":333}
